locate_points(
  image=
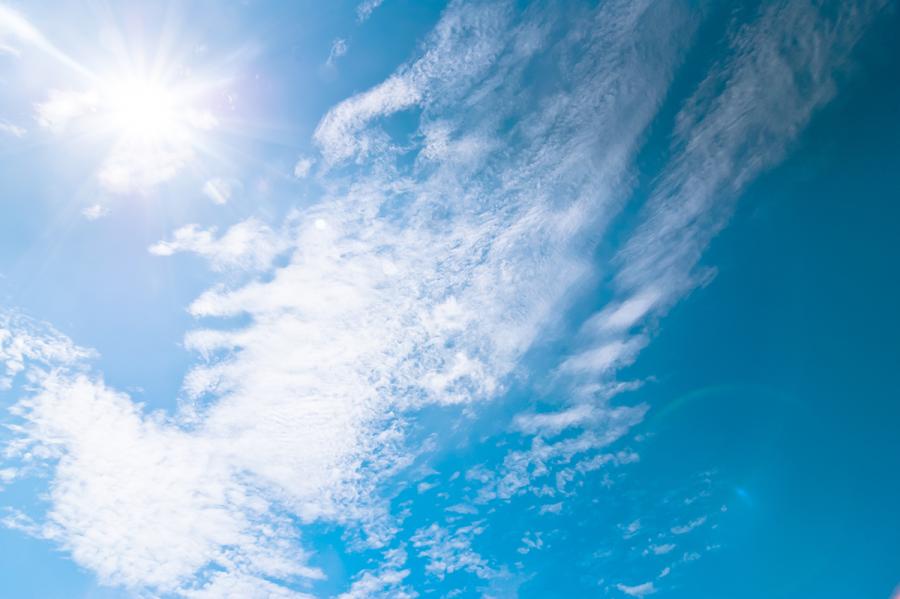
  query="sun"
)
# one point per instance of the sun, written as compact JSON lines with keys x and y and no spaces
{"x":156,"y":127}
{"x":145,"y":111}
{"x":150,"y":110}
{"x":142,"y":110}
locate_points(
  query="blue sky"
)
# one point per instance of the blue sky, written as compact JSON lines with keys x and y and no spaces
{"x":469,"y":299}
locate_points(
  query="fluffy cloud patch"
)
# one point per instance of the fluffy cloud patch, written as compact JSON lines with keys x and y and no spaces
{"x":303,"y":167}
{"x":249,"y":245}
{"x":639,"y":590}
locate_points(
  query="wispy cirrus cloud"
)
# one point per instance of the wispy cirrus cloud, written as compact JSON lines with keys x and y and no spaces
{"x":339,"y":47}
{"x":365,"y":9}
{"x":449,"y":551}
{"x":25,"y":341}
{"x":11,"y":129}
{"x":388,"y":581}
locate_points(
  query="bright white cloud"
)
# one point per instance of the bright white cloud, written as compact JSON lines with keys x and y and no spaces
{"x":450,"y":550}
{"x":338,"y":133}
{"x":23,"y":341}
{"x":386,"y":582}
{"x":640,"y":590}
{"x":605,"y":359}
{"x":464,"y":45}
{"x":249,"y":245}
{"x":623,"y":315}
{"x":188,"y":509}
{"x":136,"y":169}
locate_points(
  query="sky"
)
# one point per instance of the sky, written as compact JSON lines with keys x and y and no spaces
{"x":402,"y":298}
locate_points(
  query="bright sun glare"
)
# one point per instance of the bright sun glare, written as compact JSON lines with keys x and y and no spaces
{"x":143,"y":111}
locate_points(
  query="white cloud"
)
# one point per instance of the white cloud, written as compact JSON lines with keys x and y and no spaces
{"x":449,"y":551}
{"x":662,"y":549}
{"x":10,"y":129}
{"x":229,"y":585}
{"x":686,"y":528}
{"x":554,"y":422}
{"x":551,"y":508}
{"x":605,"y":358}
{"x":187,"y":510}
{"x":365,"y":9}
{"x":424,"y":487}
{"x":95,"y":212}
{"x":339,"y":47}
{"x":464,"y":44}
{"x":24,"y":341}
{"x":303,"y":167}
{"x":385,"y":582}
{"x":631,"y":528}
{"x":338,"y":132}
{"x":623,"y":315}
{"x":134,"y":169}
{"x":62,"y":107}
{"x":249,"y":245}
{"x":183,"y":512}
{"x":521,"y":470}
{"x":219,"y":190}
{"x":640,"y":590}
{"x":732,"y":129}
{"x":727,"y":132}
{"x":587,"y":414}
